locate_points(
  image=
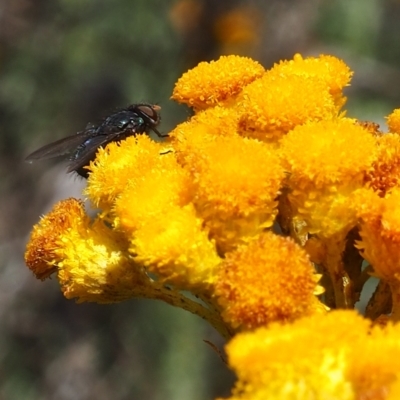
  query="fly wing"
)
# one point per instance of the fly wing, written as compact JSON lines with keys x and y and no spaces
{"x":88,"y":150}
{"x":62,"y":147}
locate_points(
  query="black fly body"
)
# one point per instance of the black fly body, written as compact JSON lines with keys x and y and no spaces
{"x":82,"y":147}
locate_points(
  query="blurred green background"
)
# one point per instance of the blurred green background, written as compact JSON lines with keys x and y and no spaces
{"x":65,"y":63}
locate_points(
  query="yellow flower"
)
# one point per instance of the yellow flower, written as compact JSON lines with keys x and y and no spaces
{"x":333,"y":71}
{"x":384,"y":173}
{"x":151,"y":208}
{"x":380,"y":232}
{"x":209,"y":84}
{"x":41,"y":254}
{"x":330,"y":356}
{"x":154,"y":185}
{"x":327,"y":161}
{"x":114,"y":166}
{"x":274,"y":104}
{"x":237,"y":181}
{"x":270,"y":279}
{"x":175,"y":246}
{"x":92,"y":260}
{"x":393,"y":121}
{"x":375,"y":364}
{"x":292,"y":93}
{"x":96,"y":266}
{"x":216,"y":121}
{"x":188,"y":136}
{"x":380,"y":239}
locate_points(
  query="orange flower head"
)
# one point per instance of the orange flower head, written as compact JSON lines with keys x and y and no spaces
{"x":204,"y":126}
{"x":91,"y":259}
{"x":270,"y":279}
{"x":275,"y":104}
{"x":331,"y":70}
{"x":374,"y":366}
{"x":380,"y":232}
{"x":219,"y":121}
{"x":327,"y":161}
{"x":384,"y":173}
{"x":237,"y":181}
{"x":96,"y":266}
{"x":113,"y":167}
{"x":41,"y":254}
{"x":151,"y":189}
{"x":323,"y":356}
{"x":155,"y":214}
{"x":213,"y":83}
{"x":175,"y":247}
{"x":393,"y":121}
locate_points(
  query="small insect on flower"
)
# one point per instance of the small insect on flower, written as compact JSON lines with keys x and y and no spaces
{"x":80,"y":149}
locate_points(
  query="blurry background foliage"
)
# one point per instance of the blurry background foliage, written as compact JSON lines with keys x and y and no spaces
{"x":64,"y":63}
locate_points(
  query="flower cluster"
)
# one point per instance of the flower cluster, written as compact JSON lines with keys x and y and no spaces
{"x":267,"y":205}
{"x":333,"y":356}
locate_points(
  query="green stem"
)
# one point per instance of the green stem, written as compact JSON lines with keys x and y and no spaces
{"x":177,"y":299}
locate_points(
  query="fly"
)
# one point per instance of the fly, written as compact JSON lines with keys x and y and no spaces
{"x":81,"y":148}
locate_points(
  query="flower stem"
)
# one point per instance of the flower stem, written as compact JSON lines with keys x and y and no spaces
{"x":177,"y":299}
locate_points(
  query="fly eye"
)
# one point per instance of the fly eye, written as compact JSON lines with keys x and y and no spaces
{"x":150,"y":111}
